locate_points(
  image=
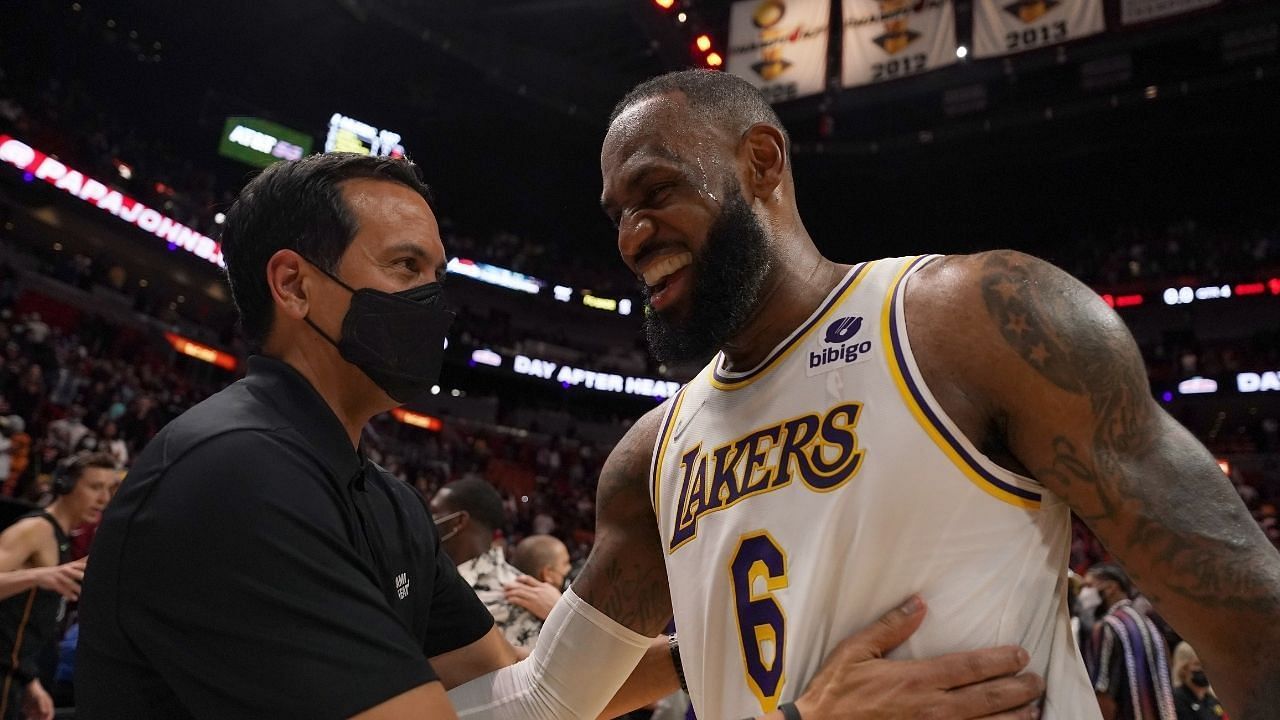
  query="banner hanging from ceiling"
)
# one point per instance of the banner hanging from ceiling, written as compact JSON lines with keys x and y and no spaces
{"x":780,"y":47}
{"x":1004,"y":27}
{"x":1140,"y":11}
{"x":889,"y":39}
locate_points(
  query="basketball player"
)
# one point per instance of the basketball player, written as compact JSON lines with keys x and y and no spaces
{"x":41,"y":540}
{"x":922,"y":424}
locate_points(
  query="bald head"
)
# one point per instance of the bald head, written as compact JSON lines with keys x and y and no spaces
{"x":543,"y":557}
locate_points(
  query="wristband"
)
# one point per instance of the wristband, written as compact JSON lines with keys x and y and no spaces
{"x":789,"y":711}
{"x":674,"y":646}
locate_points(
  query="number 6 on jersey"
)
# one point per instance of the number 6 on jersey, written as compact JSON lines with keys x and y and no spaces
{"x":759,"y":569}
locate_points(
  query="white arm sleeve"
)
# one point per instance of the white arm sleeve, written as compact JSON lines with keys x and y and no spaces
{"x":581,"y":659}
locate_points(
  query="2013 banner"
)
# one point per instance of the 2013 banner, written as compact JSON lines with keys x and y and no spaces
{"x":780,"y":47}
{"x":889,"y":39}
{"x":1004,"y":27}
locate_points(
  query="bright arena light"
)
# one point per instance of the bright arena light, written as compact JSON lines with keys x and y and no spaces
{"x":665,"y":4}
{"x":714,"y":60}
{"x":962,"y":52}
{"x":704,"y":42}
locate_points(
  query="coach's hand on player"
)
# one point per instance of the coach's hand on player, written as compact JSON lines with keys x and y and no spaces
{"x":533,"y":595}
{"x":63,"y":579}
{"x":857,"y":682}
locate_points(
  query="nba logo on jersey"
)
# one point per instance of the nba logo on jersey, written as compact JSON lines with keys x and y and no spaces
{"x":840,"y":346}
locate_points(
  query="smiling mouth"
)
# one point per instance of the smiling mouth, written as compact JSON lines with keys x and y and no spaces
{"x":656,"y":275}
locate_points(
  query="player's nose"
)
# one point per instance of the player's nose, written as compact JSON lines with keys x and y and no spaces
{"x":634,"y":234}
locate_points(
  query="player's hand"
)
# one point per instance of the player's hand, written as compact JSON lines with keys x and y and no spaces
{"x":857,"y":682}
{"x":63,"y":579}
{"x":37,"y":705}
{"x":533,"y":595}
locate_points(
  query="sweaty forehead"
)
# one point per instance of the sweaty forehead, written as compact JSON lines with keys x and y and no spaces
{"x":661,"y":128}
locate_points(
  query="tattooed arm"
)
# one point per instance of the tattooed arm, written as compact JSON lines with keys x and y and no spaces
{"x":1042,"y":375}
{"x":626,"y":576}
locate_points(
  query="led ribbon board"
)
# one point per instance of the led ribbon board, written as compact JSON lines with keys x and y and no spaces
{"x":37,"y":165}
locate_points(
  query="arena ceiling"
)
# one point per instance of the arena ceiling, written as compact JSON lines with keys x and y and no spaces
{"x":503,"y":103}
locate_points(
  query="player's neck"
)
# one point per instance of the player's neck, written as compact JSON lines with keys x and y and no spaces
{"x":796,"y":287}
{"x":63,"y":515}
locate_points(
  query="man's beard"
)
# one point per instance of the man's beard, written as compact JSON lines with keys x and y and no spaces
{"x":728,"y":279}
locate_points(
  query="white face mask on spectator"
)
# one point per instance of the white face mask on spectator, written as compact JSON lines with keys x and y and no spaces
{"x":1090,"y":599}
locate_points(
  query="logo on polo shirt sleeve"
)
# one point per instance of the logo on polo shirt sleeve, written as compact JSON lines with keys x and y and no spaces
{"x":402,"y":585}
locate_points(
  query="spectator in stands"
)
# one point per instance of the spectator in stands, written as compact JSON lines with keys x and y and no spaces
{"x":19,"y":453}
{"x":1192,"y":696}
{"x":543,"y":557}
{"x":544,"y":560}
{"x":1126,"y":658}
{"x":109,"y":441}
{"x":467,"y":512}
{"x":66,"y":434}
{"x":41,"y":539}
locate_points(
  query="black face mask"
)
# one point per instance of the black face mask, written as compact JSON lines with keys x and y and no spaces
{"x":397,"y":339}
{"x":1199,"y":679}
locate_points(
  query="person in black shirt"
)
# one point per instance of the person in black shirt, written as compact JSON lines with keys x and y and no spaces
{"x":1193,"y":698}
{"x":255,"y":564}
{"x":36,"y":552}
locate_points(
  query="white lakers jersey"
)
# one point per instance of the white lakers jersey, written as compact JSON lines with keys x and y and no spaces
{"x":800,"y":500}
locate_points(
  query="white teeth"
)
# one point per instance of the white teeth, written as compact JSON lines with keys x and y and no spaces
{"x":659,"y":271}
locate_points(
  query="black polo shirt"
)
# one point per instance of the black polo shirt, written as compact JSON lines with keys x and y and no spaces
{"x":254,"y":565}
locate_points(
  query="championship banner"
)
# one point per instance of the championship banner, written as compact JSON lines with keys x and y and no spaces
{"x":780,"y":47}
{"x":1140,"y":11}
{"x":1004,"y":27}
{"x":888,"y":39}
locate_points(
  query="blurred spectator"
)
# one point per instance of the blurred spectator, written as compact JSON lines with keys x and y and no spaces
{"x":544,"y":560}
{"x":467,"y":512}
{"x":1126,"y":657}
{"x":1192,"y":696}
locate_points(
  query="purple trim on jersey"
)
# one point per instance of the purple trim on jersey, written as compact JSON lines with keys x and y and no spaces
{"x":817,"y":316}
{"x":900,"y":356}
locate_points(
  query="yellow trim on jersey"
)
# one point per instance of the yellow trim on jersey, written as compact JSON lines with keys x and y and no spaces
{"x":665,"y":438}
{"x":899,"y":379}
{"x":862,"y":273}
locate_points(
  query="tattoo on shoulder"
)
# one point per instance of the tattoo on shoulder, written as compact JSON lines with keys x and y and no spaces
{"x":1042,"y":315}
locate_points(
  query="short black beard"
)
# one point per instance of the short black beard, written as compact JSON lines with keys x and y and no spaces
{"x":728,"y":276}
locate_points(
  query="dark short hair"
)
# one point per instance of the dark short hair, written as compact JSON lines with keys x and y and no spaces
{"x":717,"y":98}
{"x":1116,"y":574}
{"x":297,"y":205}
{"x":479,"y":499}
{"x":74,"y":466}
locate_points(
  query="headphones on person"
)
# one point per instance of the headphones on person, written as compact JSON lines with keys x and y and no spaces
{"x":66,"y":473}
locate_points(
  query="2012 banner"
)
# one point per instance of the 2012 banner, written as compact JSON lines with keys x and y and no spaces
{"x":780,"y":47}
{"x":889,"y":39}
{"x":1004,"y":27}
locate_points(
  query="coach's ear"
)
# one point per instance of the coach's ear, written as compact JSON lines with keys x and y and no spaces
{"x":766,"y":155}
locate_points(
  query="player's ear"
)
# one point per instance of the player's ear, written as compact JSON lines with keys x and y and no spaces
{"x":766,"y":155}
